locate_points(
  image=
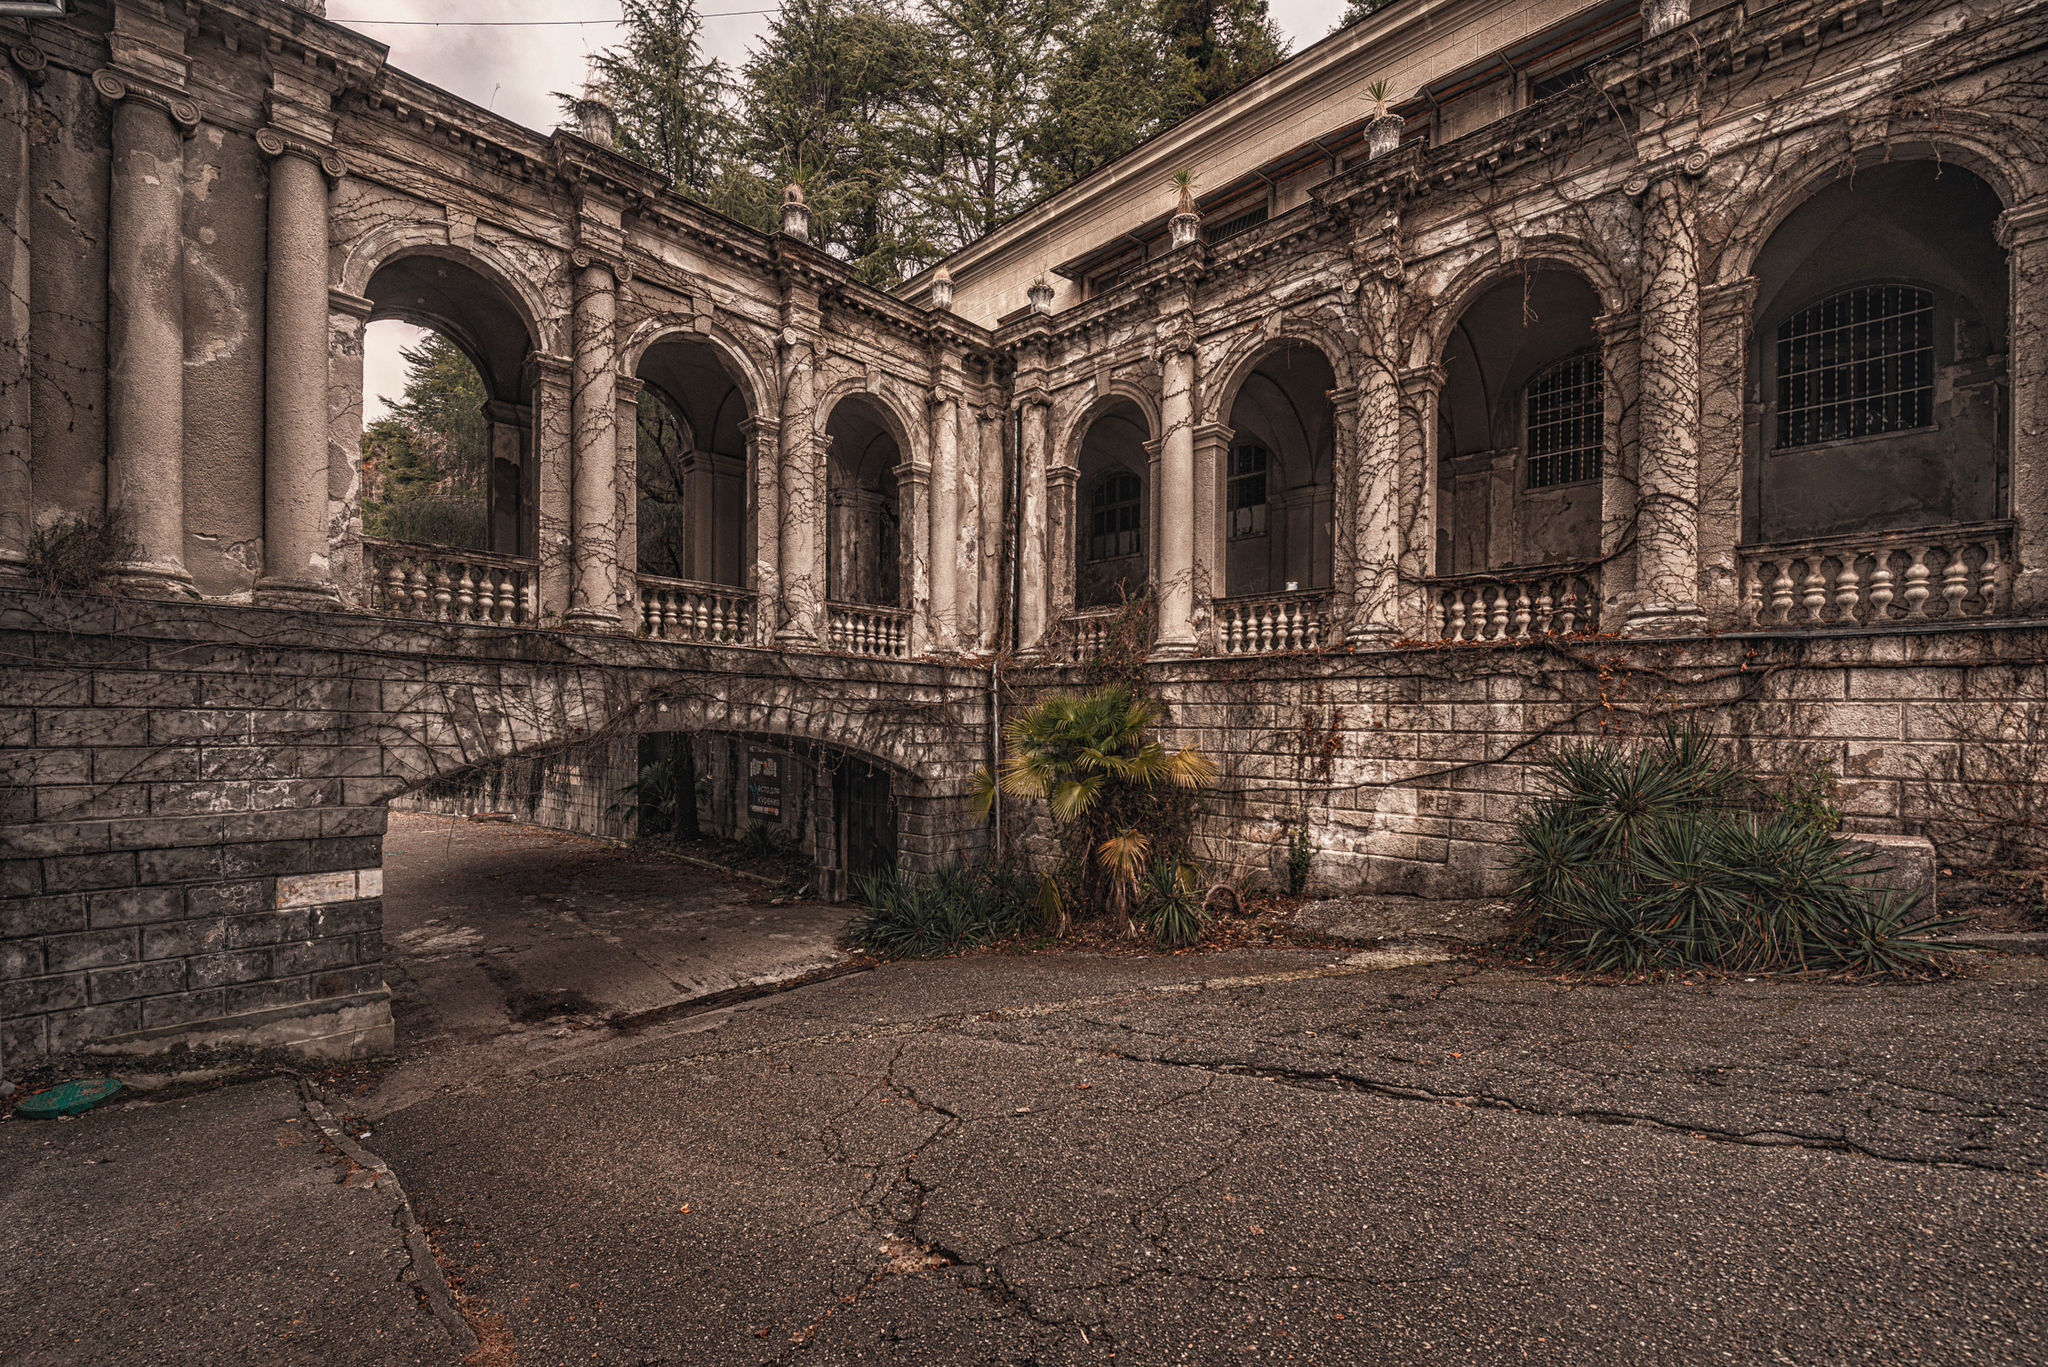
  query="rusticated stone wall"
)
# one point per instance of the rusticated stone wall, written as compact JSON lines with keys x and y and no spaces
{"x":1410,"y":766}
{"x":192,"y":797}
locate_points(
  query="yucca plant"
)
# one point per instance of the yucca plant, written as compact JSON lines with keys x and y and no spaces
{"x":1115,"y":796}
{"x":1641,"y":860}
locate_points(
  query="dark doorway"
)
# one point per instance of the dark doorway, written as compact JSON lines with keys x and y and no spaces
{"x":867,"y":820}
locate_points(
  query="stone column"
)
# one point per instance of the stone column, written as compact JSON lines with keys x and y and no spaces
{"x":1418,"y":392}
{"x":914,"y":551}
{"x":988,"y":430}
{"x":2023,"y":232}
{"x":509,"y":425}
{"x":1176,"y":586}
{"x":593,"y":420}
{"x":296,"y":566}
{"x":1062,"y":526}
{"x":16,"y":494}
{"x":1724,"y":371}
{"x":763,"y":532}
{"x":1620,"y":351}
{"x":945,"y":523}
{"x":803,"y":498}
{"x":1212,"y":459}
{"x":1667,"y":496}
{"x":1032,"y":604}
{"x":146,"y":331}
{"x":627,"y":480}
{"x":551,"y":445}
{"x":1376,"y":604}
{"x":347,"y":316}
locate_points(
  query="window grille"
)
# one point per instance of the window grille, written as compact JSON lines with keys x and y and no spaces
{"x":1566,"y":416}
{"x":1857,"y":365}
{"x":1231,"y":227}
{"x":1246,"y":493}
{"x":1114,"y":521}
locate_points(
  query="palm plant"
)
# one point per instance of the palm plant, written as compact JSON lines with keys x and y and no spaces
{"x":1111,"y":793}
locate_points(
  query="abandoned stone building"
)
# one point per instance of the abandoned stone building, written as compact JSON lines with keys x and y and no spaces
{"x":1628,"y":361}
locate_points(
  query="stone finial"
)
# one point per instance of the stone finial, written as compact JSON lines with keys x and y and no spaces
{"x":796,"y":215}
{"x":1662,"y":16}
{"x":942,"y":290}
{"x":1383,"y":135}
{"x":1040,"y":294}
{"x":595,"y":120}
{"x":1184,"y":227}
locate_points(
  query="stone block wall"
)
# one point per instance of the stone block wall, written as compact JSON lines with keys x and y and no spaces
{"x":193,"y":797}
{"x":1412,"y":766}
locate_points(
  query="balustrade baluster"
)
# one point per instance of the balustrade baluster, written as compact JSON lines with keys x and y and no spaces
{"x":1991,"y":581}
{"x":1521,"y":612}
{"x":1917,"y":587}
{"x":1955,"y":582}
{"x":1880,"y":584}
{"x":1567,"y":608}
{"x":1540,"y":623}
{"x":465,"y":596}
{"x":1454,"y":615}
{"x":1813,"y":589}
{"x":1315,"y":630}
{"x":1752,"y":595}
{"x":395,"y":597}
{"x":1781,"y":594}
{"x":1497,"y":623}
{"x":1846,"y":595}
{"x":416,"y":583}
{"x":1290,"y":623}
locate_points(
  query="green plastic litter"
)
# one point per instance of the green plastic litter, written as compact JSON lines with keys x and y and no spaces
{"x":69,"y":1099}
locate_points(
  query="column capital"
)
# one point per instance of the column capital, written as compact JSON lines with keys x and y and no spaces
{"x":760,"y":429}
{"x":1689,"y":162}
{"x":583,"y":256}
{"x":355,"y":306}
{"x":1062,"y":476}
{"x":1034,"y":397}
{"x":2023,"y":224}
{"x":274,"y":142}
{"x":115,"y":86}
{"x":1422,"y":379}
{"x":1617,"y":327}
{"x":629,"y":386}
{"x":1733,"y":299}
{"x":544,"y":367}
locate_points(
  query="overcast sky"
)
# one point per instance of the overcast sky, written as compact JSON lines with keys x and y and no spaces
{"x":514,"y":69}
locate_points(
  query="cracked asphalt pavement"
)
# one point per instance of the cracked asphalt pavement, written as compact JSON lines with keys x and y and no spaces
{"x":1263,"y":1157}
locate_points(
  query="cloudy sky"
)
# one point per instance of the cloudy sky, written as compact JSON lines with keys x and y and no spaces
{"x":535,"y":47}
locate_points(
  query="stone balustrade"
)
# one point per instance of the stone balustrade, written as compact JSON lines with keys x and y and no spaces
{"x":859,"y":629}
{"x":1268,"y":624}
{"x":1932,"y":574}
{"x":1085,"y":633}
{"x":448,"y":584}
{"x":1516,"y":605}
{"x":683,"y":610}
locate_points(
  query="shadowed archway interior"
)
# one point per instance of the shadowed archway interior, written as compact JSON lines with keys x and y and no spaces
{"x":690,"y":514}
{"x":863,"y":534}
{"x":1277,"y":486}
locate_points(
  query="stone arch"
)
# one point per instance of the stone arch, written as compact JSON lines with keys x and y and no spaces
{"x":1109,"y":437}
{"x":391,"y":242}
{"x":1549,"y":252}
{"x":1275,"y":473}
{"x":908,"y":430}
{"x":694,"y":458}
{"x":1784,"y":193}
{"x":1521,"y":422}
{"x":1882,"y":309}
{"x":869,"y":546}
{"x":1074,"y":427}
{"x":1319,"y":330}
{"x":739,"y":361}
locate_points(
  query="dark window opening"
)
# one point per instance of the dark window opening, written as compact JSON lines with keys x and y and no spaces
{"x":1114,"y":521}
{"x":1544,"y":87}
{"x":1567,"y":417}
{"x":1246,"y":494}
{"x":1238,"y":223}
{"x":1858,"y":364}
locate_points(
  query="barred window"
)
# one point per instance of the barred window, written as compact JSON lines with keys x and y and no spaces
{"x":1246,"y":495}
{"x":1566,"y":416}
{"x":1113,"y":524}
{"x":1857,"y":365}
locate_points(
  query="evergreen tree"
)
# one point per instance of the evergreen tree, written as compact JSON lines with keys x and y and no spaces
{"x":825,"y":96}
{"x":1356,"y":11}
{"x":1219,"y":45}
{"x":670,"y":100}
{"x":425,"y":462}
{"x":1113,"y":84}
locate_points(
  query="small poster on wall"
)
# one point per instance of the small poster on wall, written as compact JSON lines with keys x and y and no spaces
{"x":764,"y":783}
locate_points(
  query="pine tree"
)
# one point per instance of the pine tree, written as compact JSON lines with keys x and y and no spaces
{"x":1112,"y":86}
{"x":1356,"y":11}
{"x":824,"y":98}
{"x":425,"y":462}
{"x":670,"y":100}
{"x":1219,"y":44}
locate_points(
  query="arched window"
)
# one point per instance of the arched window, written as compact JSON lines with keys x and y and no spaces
{"x":1565,"y":414}
{"x":1246,"y":494}
{"x":1857,"y":364}
{"x":1114,"y":519}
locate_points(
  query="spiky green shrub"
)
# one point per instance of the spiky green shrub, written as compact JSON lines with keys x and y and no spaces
{"x":945,"y":911}
{"x":1642,"y":859}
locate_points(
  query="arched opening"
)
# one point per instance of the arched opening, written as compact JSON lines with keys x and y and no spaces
{"x":690,"y":507}
{"x":863,"y":532}
{"x":1521,"y":428}
{"x":447,"y":448}
{"x":1113,"y":543}
{"x":1878,"y":355}
{"x":1278,"y":481}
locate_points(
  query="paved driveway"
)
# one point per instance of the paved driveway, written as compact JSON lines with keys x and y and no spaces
{"x":1265,"y":1158}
